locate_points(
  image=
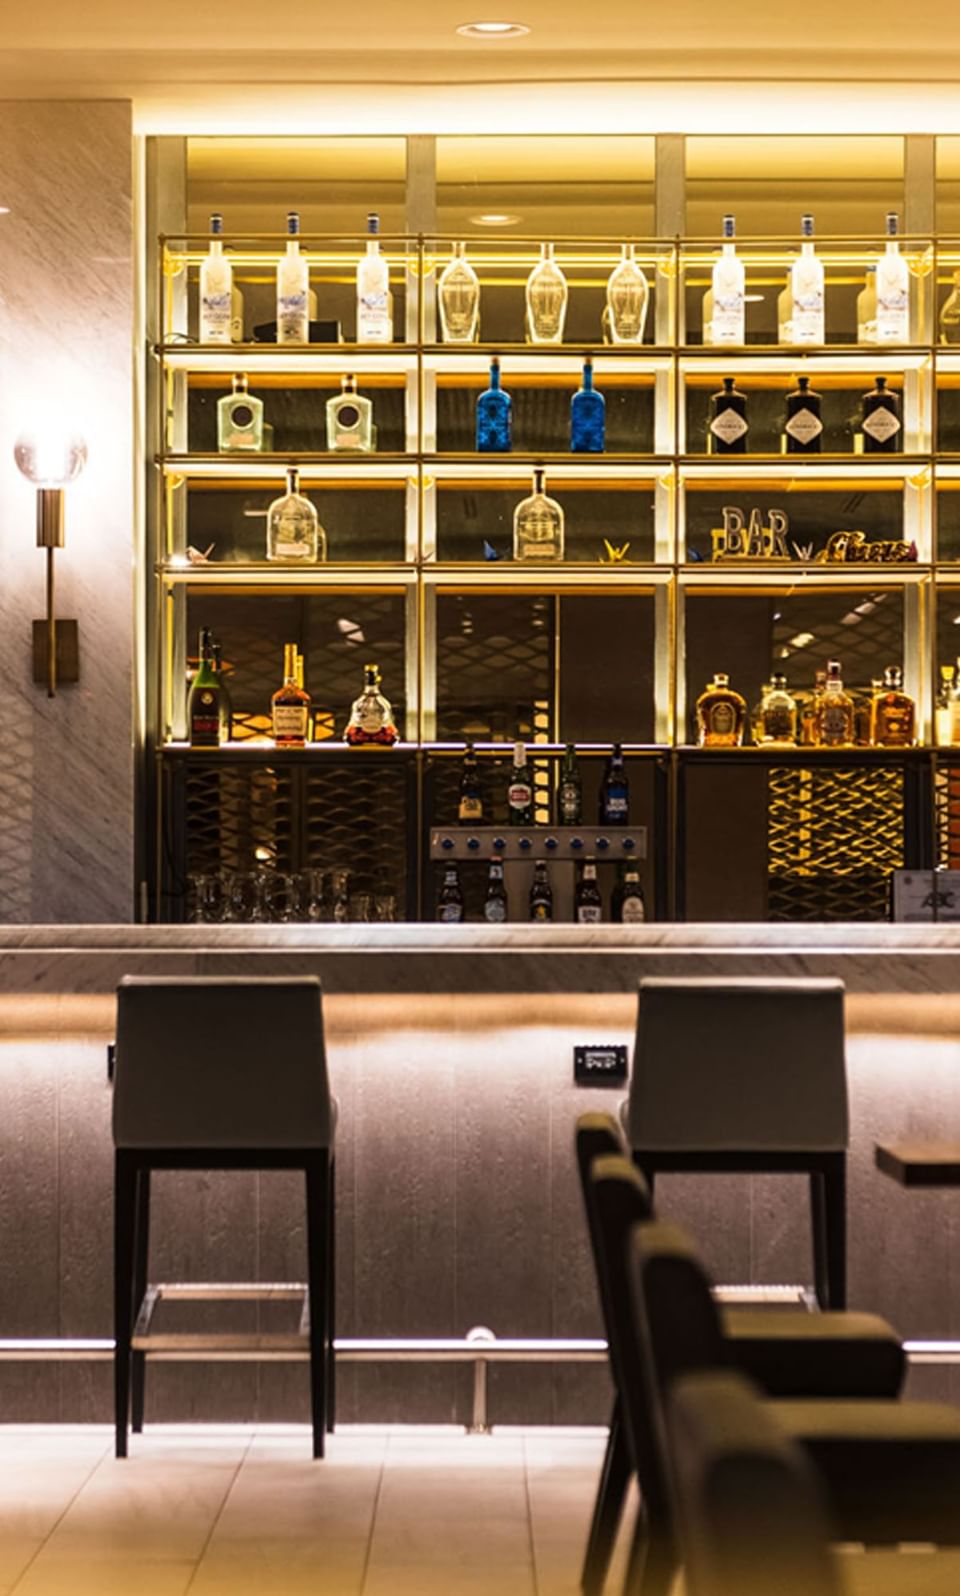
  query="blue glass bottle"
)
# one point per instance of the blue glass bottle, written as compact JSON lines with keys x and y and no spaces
{"x":587,"y":416}
{"x":494,"y":417}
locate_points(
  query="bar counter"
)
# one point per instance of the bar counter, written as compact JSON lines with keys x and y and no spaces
{"x":451,"y":1055}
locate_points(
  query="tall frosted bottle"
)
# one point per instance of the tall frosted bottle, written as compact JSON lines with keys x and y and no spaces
{"x":374,"y":299}
{"x":494,"y":418}
{"x":216,"y":289}
{"x":587,"y":416}
{"x":724,"y":301}
{"x":293,"y":289}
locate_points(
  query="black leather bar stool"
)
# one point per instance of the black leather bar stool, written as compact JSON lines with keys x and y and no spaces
{"x":218,"y":1073}
{"x":747,"y":1075}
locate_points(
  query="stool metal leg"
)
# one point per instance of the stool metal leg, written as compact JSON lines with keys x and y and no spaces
{"x":835,"y":1194}
{"x":124,"y":1222}
{"x":318,"y":1190}
{"x":331,"y":1298}
{"x":818,"y":1223}
{"x":611,"y":1495}
{"x":140,"y":1272}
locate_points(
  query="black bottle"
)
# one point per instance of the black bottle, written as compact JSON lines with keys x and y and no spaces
{"x":881,"y":426}
{"x":727,"y":423}
{"x":803,"y":429}
{"x":470,"y":805}
{"x":588,"y":903}
{"x":569,"y":790}
{"x":226,"y":703}
{"x":495,"y":903}
{"x":450,"y":897}
{"x":541,"y":893}
{"x":627,"y":906}
{"x":615,"y":791}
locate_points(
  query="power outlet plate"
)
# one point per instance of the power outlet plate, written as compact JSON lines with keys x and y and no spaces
{"x":600,"y":1064}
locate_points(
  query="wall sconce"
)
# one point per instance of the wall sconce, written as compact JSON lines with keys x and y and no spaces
{"x":50,"y":463}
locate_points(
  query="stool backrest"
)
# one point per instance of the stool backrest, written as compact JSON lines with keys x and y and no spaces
{"x":595,"y":1136}
{"x":723,"y":1065}
{"x":231,"y":1062}
{"x":748,"y":1509}
{"x":672,"y":1297}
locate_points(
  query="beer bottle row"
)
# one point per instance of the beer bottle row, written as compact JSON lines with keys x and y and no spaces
{"x":626,"y":905}
{"x":525,"y":804}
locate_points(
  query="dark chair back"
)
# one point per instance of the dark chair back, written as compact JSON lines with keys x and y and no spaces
{"x":672,"y":1297}
{"x":596,"y":1136}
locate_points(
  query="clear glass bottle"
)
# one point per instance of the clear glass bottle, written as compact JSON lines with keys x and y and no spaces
{"x":628,"y":297}
{"x":727,"y":426}
{"x":803,"y":428}
{"x":893,"y":290}
{"x":293,"y":289}
{"x":724,"y":311}
{"x":541,"y":893}
{"x":721,"y":714}
{"x":450,"y":897}
{"x":836,"y":711}
{"x":893,"y":713}
{"x":587,"y":416}
{"x":778,"y":715}
{"x":538,"y":524}
{"x":867,"y":308}
{"x":350,"y":428}
{"x":569,"y":789}
{"x":494,"y":417}
{"x":239,"y":418}
{"x":290,"y":705}
{"x":588,"y":901}
{"x":614,"y":795}
{"x":546,"y":300}
{"x":880,"y":424}
{"x":374,"y":299}
{"x":371,"y":718}
{"x":950,"y":314}
{"x":458,"y":299}
{"x":294,"y":532}
{"x":943,"y":713}
{"x":810,"y":710}
{"x":520,"y":789}
{"x":217,"y":293}
{"x":495,"y":903}
{"x":807,"y":323}
{"x":204,"y":717}
{"x":470,"y":802}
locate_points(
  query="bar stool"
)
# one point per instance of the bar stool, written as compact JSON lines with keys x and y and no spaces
{"x":747,"y":1075}
{"x":220,"y":1073}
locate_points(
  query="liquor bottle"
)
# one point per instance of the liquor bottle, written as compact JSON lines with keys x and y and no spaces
{"x":587,"y":902}
{"x":863,"y":713}
{"x":290,"y":705}
{"x":867,"y":308}
{"x":725,"y":323}
{"x":803,"y":429}
{"x":570,"y":789}
{"x":494,"y":421}
{"x":953,"y":731}
{"x":239,"y":418}
{"x":778,"y":715}
{"x":810,"y":711}
{"x":293,"y":285}
{"x":293,"y":527}
{"x":374,"y":299}
{"x":226,"y":703}
{"x":495,"y":902}
{"x":893,"y":720}
{"x":216,"y":290}
{"x":587,"y":416}
{"x":371,"y":718}
{"x":546,"y":300}
{"x":458,"y":299}
{"x":470,"y":803}
{"x":881,"y":425}
{"x":893,"y":290}
{"x":950,"y":314}
{"x":943,"y":713}
{"x":806,"y":292}
{"x":627,"y":906}
{"x":301,"y":685}
{"x":727,"y":426}
{"x":628,"y":296}
{"x":614,"y":795}
{"x":721,"y":714}
{"x":755,"y":718}
{"x":835,"y":711}
{"x":520,"y":790}
{"x":541,"y":893}
{"x":350,"y":428}
{"x":204,"y":717}
{"x":538,"y":524}
{"x":450,"y":897}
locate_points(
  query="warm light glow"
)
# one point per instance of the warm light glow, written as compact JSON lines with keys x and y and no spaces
{"x":496,"y":219}
{"x":52,"y":458}
{"x":493,"y":30}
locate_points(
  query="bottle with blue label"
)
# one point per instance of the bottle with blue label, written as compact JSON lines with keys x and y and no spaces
{"x":587,"y":416}
{"x":494,"y":416}
{"x":615,"y":791}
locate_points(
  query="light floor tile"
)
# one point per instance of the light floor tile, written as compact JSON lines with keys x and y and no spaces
{"x":92,"y":1577}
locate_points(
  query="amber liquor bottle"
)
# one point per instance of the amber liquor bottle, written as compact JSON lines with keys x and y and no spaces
{"x":470,"y":803}
{"x":290,"y":705}
{"x":721,"y":714}
{"x":836,"y":711}
{"x":893,"y":719}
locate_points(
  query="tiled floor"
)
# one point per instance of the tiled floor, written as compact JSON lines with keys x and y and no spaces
{"x":402,"y":1512}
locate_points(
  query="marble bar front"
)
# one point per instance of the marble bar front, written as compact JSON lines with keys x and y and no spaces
{"x":451,"y":1054}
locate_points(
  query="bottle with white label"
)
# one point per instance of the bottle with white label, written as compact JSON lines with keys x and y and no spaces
{"x":893,"y":290}
{"x":374,"y":300}
{"x":724,"y":314}
{"x":216,"y":290}
{"x":627,"y":905}
{"x":803,"y":431}
{"x":881,"y":426}
{"x":293,"y":284}
{"x":806,"y":296}
{"x":727,"y":426}
{"x":495,"y":902}
{"x":588,"y":904}
{"x":293,"y":526}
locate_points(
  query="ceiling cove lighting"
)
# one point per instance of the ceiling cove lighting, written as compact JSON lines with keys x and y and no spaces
{"x":493,"y":30}
{"x":495,"y":219}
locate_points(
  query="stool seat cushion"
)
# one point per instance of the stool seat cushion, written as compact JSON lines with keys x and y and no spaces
{"x":891,"y":1470}
{"x":794,"y":1354}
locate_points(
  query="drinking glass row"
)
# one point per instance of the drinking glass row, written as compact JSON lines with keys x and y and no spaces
{"x":307,"y":896}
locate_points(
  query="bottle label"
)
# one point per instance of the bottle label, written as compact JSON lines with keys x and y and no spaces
{"x":215,"y":318}
{"x":289,"y":540}
{"x":569,"y":804}
{"x":495,"y":910}
{"x":634,"y":912}
{"x":722,"y":719}
{"x":470,"y":809}
{"x":292,"y":320}
{"x":728,"y":318}
{"x":728,"y":426}
{"x":519,"y":795}
{"x":778,"y":726}
{"x":589,"y":914}
{"x":373,"y":319}
{"x":450,"y":913}
{"x":804,"y":426}
{"x":881,"y":424}
{"x":371,"y":718}
{"x":541,"y":911}
{"x":615,"y":806}
{"x":205,"y":718}
{"x":895,"y":724}
{"x":834,"y":720}
{"x":290,"y":720}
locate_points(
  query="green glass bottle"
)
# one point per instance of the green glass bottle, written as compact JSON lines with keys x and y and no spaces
{"x":204,"y":706}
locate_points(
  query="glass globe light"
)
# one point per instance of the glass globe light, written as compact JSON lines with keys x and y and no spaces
{"x":50,"y":461}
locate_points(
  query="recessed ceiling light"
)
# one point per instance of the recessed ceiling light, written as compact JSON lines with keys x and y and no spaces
{"x":493,"y":30}
{"x":4,"y":210}
{"x":496,"y":219}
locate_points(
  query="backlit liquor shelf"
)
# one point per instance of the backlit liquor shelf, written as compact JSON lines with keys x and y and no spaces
{"x":712,"y":512}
